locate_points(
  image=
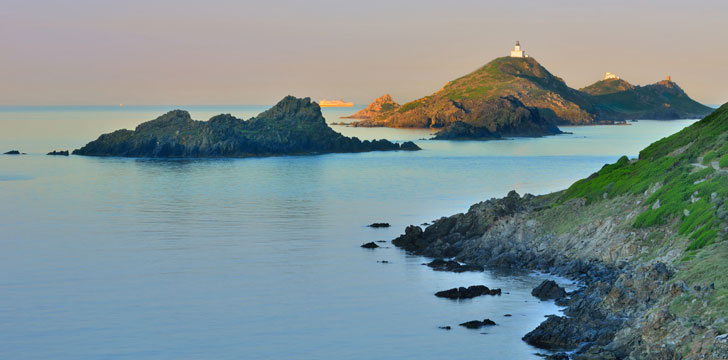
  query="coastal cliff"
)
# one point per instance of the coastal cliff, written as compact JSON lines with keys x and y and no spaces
{"x":645,"y":238}
{"x":293,"y":126}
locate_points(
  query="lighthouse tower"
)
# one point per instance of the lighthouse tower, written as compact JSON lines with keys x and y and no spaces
{"x":517,"y":52}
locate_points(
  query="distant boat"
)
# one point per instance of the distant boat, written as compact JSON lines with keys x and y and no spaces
{"x":335,"y":103}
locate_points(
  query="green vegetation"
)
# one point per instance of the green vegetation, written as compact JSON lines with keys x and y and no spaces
{"x":410,"y":106}
{"x":680,"y":193}
{"x":723,"y":163}
{"x":709,"y":157}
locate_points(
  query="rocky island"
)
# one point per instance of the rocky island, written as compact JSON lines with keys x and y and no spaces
{"x":474,"y":99}
{"x":645,"y":238}
{"x":291,"y":127}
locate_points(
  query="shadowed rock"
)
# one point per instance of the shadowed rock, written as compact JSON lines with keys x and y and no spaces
{"x":454,"y":266}
{"x":291,"y":127}
{"x":378,"y":225}
{"x":60,"y":153}
{"x":370,"y":245}
{"x":548,"y":290}
{"x":13,"y":152}
{"x":467,"y":293}
{"x":477,"y":324}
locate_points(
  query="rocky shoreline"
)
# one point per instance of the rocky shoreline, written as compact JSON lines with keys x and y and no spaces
{"x":617,"y":312}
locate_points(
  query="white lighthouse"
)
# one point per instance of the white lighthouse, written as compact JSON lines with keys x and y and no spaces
{"x":517,"y":52}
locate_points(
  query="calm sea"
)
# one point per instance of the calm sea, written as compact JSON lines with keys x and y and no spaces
{"x":111,"y":258}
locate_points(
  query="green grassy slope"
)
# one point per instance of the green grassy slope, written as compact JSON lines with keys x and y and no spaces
{"x":685,"y":194}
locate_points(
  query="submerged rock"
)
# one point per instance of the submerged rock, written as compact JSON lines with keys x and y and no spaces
{"x":378,"y":225}
{"x":467,"y":293}
{"x":444,"y":327}
{"x":454,"y":266}
{"x":370,"y":245}
{"x":548,"y":290}
{"x":477,"y":324}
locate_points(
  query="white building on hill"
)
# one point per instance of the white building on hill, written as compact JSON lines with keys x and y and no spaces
{"x":517,"y":52}
{"x":609,"y":75}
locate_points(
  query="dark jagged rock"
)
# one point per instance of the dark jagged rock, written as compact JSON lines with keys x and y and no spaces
{"x":496,"y":118}
{"x":453,"y":266}
{"x":467,"y":293}
{"x":548,"y":290}
{"x":12,"y":152}
{"x":370,"y":245}
{"x":557,"y":356}
{"x":60,"y":153}
{"x":291,"y":127}
{"x":477,"y":324}
{"x":445,"y":327}
{"x":378,"y":225}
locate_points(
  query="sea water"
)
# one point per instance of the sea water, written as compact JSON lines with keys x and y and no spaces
{"x":260,"y":258}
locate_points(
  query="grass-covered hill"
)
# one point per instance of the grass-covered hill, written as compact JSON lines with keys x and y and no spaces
{"x":525,"y":79}
{"x":665,"y":100}
{"x":685,"y":175}
{"x":293,"y":126}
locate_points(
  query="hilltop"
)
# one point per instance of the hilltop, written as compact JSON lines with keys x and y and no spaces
{"x":665,"y":100}
{"x":645,"y":237}
{"x":293,"y":126}
{"x":525,"y":79}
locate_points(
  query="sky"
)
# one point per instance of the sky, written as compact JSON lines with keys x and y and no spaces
{"x":100,"y":52}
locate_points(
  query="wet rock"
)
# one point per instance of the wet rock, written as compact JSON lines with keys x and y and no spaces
{"x":507,"y":315}
{"x":467,"y":293}
{"x":557,"y":332}
{"x":444,"y":327}
{"x":13,"y":152}
{"x":557,"y":356}
{"x":477,"y":324}
{"x":383,"y":262}
{"x":454,"y":266}
{"x":370,"y":245}
{"x":60,"y":153}
{"x":548,"y":290}
{"x":379,"y":225}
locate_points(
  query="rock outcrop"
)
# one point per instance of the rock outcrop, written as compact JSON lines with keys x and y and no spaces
{"x":58,"y":153}
{"x":381,"y":106}
{"x":291,"y":127}
{"x":467,"y":292}
{"x":548,"y":290}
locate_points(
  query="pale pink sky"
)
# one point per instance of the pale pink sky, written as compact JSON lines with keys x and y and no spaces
{"x":85,"y":52}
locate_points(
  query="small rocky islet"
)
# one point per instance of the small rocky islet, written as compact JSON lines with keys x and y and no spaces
{"x":294,"y":126}
{"x":645,"y":239}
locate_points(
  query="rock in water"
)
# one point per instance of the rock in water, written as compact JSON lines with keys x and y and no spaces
{"x":60,"y":153}
{"x":467,"y":293}
{"x":13,"y":152}
{"x":477,"y":324}
{"x":291,"y":127}
{"x":379,"y":225}
{"x":370,"y":245}
{"x":452,"y":265}
{"x":548,"y":290}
